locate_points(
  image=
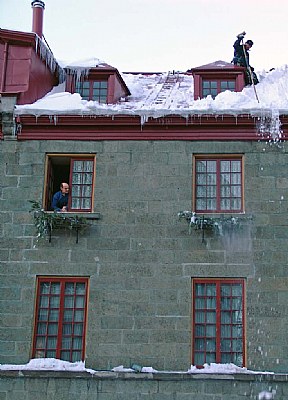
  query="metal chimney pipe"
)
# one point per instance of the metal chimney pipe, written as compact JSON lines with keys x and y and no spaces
{"x":38,"y":12}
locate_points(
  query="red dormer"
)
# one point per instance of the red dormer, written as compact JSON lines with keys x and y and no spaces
{"x":101,"y":83}
{"x":214,"y":78}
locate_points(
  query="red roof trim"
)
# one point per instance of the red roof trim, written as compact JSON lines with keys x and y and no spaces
{"x":172,"y":127}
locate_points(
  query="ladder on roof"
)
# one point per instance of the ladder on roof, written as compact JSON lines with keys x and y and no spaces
{"x":168,"y":85}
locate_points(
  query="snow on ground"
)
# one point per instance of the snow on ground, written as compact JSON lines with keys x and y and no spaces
{"x":53,"y":364}
{"x":272,"y":92}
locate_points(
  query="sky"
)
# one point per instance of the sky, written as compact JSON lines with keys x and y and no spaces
{"x":157,"y":35}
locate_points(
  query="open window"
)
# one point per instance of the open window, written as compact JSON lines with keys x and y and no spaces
{"x":76,"y":169}
{"x":218,"y":184}
{"x":218,"y":321}
{"x":60,"y":318}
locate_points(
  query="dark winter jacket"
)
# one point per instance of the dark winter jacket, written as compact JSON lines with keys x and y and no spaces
{"x":59,"y":200}
{"x":239,"y":54}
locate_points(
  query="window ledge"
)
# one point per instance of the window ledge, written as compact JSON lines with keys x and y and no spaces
{"x":87,"y":215}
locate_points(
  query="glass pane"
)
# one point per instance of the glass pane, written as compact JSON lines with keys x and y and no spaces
{"x":225,"y":179}
{"x":199,"y":317}
{"x":237,"y":331}
{"x":43,"y":315}
{"x":210,"y":345}
{"x":211,"y":303}
{"x":66,"y":342}
{"x":225,"y":303}
{"x":211,"y":166}
{"x":211,"y":204}
{"x":199,"y":359}
{"x":40,"y":343}
{"x":211,"y":179}
{"x":44,"y":288}
{"x":211,"y":317}
{"x":236,"y":179}
{"x":225,"y":331}
{"x":237,"y":346}
{"x":76,"y":356}
{"x":77,"y":166}
{"x":237,"y":317}
{"x":44,"y":301}
{"x":225,"y":345}
{"x":200,"y":289}
{"x":65,"y":355}
{"x":86,"y":191}
{"x":41,"y":329}
{"x":77,"y":343}
{"x":68,"y":315}
{"x":200,"y":166}
{"x":226,"y":358}
{"x":225,"y":204}
{"x":226,"y":317}
{"x":210,"y":358}
{"x":69,"y":288}
{"x":76,"y":203}
{"x":211,"y":191}
{"x":54,"y":301}
{"x":86,"y":204}
{"x":80,"y":302}
{"x":51,"y":342}
{"x":87,"y":178}
{"x":53,"y":315}
{"x":235,"y":204}
{"x":237,"y":290}
{"x":211,"y":330}
{"x":79,"y":316}
{"x":78,"y":329}
{"x":236,"y":166}
{"x":69,"y":302}
{"x":55,"y":288}
{"x":199,"y":330}
{"x":200,"y":303}
{"x":201,"y":191}
{"x":199,"y":344}
{"x":225,"y":166}
{"x":67,"y":329}
{"x":52,"y":329}
{"x":211,"y":290}
{"x":80,"y":288}
{"x":51,"y":354}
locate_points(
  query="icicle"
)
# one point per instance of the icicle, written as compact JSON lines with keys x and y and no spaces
{"x":269,"y":127}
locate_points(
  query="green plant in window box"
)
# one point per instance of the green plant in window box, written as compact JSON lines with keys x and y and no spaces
{"x":45,"y":221}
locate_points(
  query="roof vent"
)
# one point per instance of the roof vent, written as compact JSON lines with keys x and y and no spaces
{"x":38,"y":12}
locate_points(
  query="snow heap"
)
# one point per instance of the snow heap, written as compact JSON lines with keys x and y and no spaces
{"x":272,"y":92}
{"x":150,"y":99}
{"x":53,"y":364}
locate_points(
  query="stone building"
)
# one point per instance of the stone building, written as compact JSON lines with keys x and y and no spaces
{"x":174,"y":248}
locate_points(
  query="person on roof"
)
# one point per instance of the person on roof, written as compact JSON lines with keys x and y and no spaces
{"x":241,"y":58}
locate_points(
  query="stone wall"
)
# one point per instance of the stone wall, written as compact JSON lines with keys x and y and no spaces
{"x":41,"y":385}
{"x":139,"y":257}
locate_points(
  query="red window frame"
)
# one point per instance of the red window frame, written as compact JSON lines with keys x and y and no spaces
{"x":60,"y":318}
{"x":218,"y":325}
{"x":224,"y":187}
{"x":218,"y":88}
{"x":59,"y":168}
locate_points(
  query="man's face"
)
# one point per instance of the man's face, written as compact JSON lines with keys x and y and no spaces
{"x":247,"y":45}
{"x":64,"y":188}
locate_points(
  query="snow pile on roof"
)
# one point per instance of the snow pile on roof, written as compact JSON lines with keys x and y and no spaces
{"x":53,"y":364}
{"x":152,"y":96}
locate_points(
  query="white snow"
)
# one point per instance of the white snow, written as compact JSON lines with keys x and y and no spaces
{"x":53,"y":364}
{"x":272,"y":92}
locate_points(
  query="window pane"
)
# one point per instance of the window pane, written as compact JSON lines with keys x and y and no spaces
{"x":52,"y":329}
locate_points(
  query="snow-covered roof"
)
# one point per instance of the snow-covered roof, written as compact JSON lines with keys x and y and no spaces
{"x":159,"y":94}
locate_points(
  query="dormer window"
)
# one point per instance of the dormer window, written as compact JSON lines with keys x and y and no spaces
{"x":216,"y":86}
{"x":101,"y":83}
{"x":214,"y":78}
{"x":93,"y":90}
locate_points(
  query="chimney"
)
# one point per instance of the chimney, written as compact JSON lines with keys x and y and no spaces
{"x":38,"y":12}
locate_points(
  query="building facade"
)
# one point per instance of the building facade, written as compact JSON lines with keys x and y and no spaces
{"x":174,"y":249}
